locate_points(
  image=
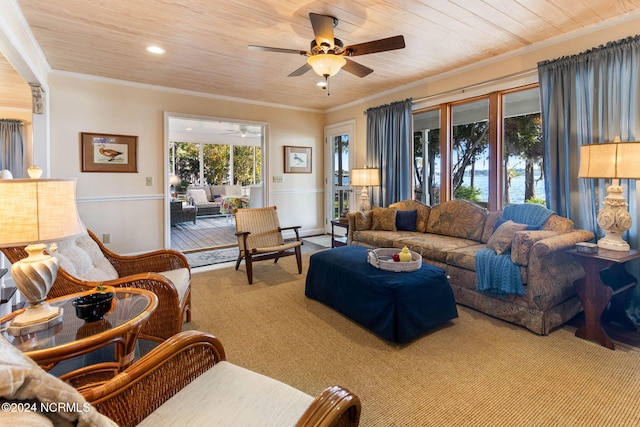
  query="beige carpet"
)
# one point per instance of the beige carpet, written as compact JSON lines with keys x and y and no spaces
{"x":473,"y":371}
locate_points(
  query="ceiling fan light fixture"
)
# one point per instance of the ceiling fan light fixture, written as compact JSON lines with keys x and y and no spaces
{"x":326,"y":64}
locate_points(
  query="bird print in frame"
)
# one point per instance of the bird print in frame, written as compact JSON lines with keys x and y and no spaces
{"x":297,"y":159}
{"x":108,"y":153}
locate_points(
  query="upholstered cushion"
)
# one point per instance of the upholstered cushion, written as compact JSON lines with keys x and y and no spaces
{"x":384,"y":219}
{"x":198,"y":195}
{"x":229,"y":396}
{"x":363,"y":220}
{"x":500,"y":240}
{"x":406,"y":220}
{"x":22,"y":380}
{"x":233,"y":190}
{"x":422,"y":209}
{"x":82,"y":258}
{"x":457,"y":218}
{"x":180,"y":279}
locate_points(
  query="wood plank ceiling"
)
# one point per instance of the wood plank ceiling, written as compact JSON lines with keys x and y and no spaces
{"x":206,"y":41}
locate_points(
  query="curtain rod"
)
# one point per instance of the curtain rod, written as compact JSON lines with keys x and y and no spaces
{"x":477,"y":85}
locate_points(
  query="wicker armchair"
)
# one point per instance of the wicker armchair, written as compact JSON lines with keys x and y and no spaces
{"x":137,"y":271}
{"x":179,"y":213}
{"x":191,"y":357}
{"x":260,"y":237}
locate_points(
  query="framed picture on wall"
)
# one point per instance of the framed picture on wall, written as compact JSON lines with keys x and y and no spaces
{"x":297,"y":159}
{"x":102,"y":152}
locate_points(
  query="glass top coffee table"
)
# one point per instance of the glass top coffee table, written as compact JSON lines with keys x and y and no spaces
{"x":73,"y":337}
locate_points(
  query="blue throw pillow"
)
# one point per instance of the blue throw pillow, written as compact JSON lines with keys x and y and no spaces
{"x":406,"y":220}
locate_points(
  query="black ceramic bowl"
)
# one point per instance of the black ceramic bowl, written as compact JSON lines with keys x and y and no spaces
{"x":93,"y":307}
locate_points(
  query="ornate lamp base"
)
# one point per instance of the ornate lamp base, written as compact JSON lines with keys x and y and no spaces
{"x":614,"y":219}
{"x":365,"y":204}
{"x":34,"y":276}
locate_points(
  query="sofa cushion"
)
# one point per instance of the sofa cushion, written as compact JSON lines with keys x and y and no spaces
{"x":384,"y":219}
{"x":82,"y":258}
{"x":457,"y":218}
{"x":464,"y":257}
{"x":501,"y":239}
{"x":433,"y":247}
{"x":406,"y":220}
{"x":559,"y":224}
{"x":228,"y":395}
{"x":363,"y":220}
{"x":380,"y":239}
{"x":490,"y":225}
{"x":422,"y":212}
{"x":22,"y":381}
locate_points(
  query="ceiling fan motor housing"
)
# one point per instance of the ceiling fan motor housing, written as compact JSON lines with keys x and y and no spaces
{"x":325,"y":48}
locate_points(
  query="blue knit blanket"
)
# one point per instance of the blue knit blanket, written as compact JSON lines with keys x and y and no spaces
{"x":497,"y":274}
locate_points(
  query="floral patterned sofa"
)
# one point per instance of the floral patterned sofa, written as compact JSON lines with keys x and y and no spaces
{"x":452,"y":234}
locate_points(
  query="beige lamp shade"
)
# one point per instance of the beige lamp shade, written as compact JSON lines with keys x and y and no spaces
{"x":38,"y":211}
{"x":616,"y":160}
{"x":365,"y":177}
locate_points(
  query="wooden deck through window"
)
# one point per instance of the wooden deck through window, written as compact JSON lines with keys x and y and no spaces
{"x":215,"y":232}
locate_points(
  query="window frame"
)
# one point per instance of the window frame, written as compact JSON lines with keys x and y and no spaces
{"x":496,"y":143}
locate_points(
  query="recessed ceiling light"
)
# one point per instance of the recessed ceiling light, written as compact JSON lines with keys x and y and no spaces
{"x":156,"y":49}
{"x":321,"y":84}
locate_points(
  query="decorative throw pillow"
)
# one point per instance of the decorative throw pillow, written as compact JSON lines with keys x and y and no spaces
{"x":500,"y":240}
{"x":384,"y":219}
{"x":363,"y":220}
{"x":406,"y":220}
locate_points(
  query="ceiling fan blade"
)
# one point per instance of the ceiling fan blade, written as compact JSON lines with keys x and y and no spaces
{"x":322,"y":29}
{"x":300,"y":71}
{"x":382,"y":45}
{"x":356,"y":69}
{"x":277,"y":49}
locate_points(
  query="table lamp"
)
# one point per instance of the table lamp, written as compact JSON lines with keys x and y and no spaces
{"x":612,"y":160}
{"x":34,"y":212}
{"x":364,"y":178}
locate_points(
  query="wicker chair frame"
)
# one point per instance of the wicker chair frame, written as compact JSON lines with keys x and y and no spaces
{"x":137,"y":391}
{"x":135,"y":271}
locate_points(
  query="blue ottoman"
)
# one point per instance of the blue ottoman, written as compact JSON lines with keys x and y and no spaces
{"x":397,"y":306}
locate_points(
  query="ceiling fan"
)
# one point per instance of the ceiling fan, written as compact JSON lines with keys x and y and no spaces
{"x":244,"y":131}
{"x":328,"y":55}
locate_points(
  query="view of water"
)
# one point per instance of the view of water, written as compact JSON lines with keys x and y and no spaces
{"x":516,"y":191}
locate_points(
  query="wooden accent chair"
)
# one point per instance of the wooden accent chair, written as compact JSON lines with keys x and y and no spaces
{"x":152,"y":392}
{"x":166,"y":273}
{"x":260,"y":237}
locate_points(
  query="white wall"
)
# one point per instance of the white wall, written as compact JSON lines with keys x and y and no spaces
{"x":120,"y":203}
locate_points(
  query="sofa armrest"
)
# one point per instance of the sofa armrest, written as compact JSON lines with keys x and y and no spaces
{"x":136,"y":392}
{"x":561,"y":242}
{"x":523,"y":241}
{"x":351,"y":217}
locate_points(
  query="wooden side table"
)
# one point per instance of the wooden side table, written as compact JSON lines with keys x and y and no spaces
{"x":339,"y":240}
{"x":605,"y":281}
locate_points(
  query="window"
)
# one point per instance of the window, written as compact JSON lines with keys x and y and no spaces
{"x":523,"y":148}
{"x":426,"y":157}
{"x":494,"y":150}
{"x":470,"y":151}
